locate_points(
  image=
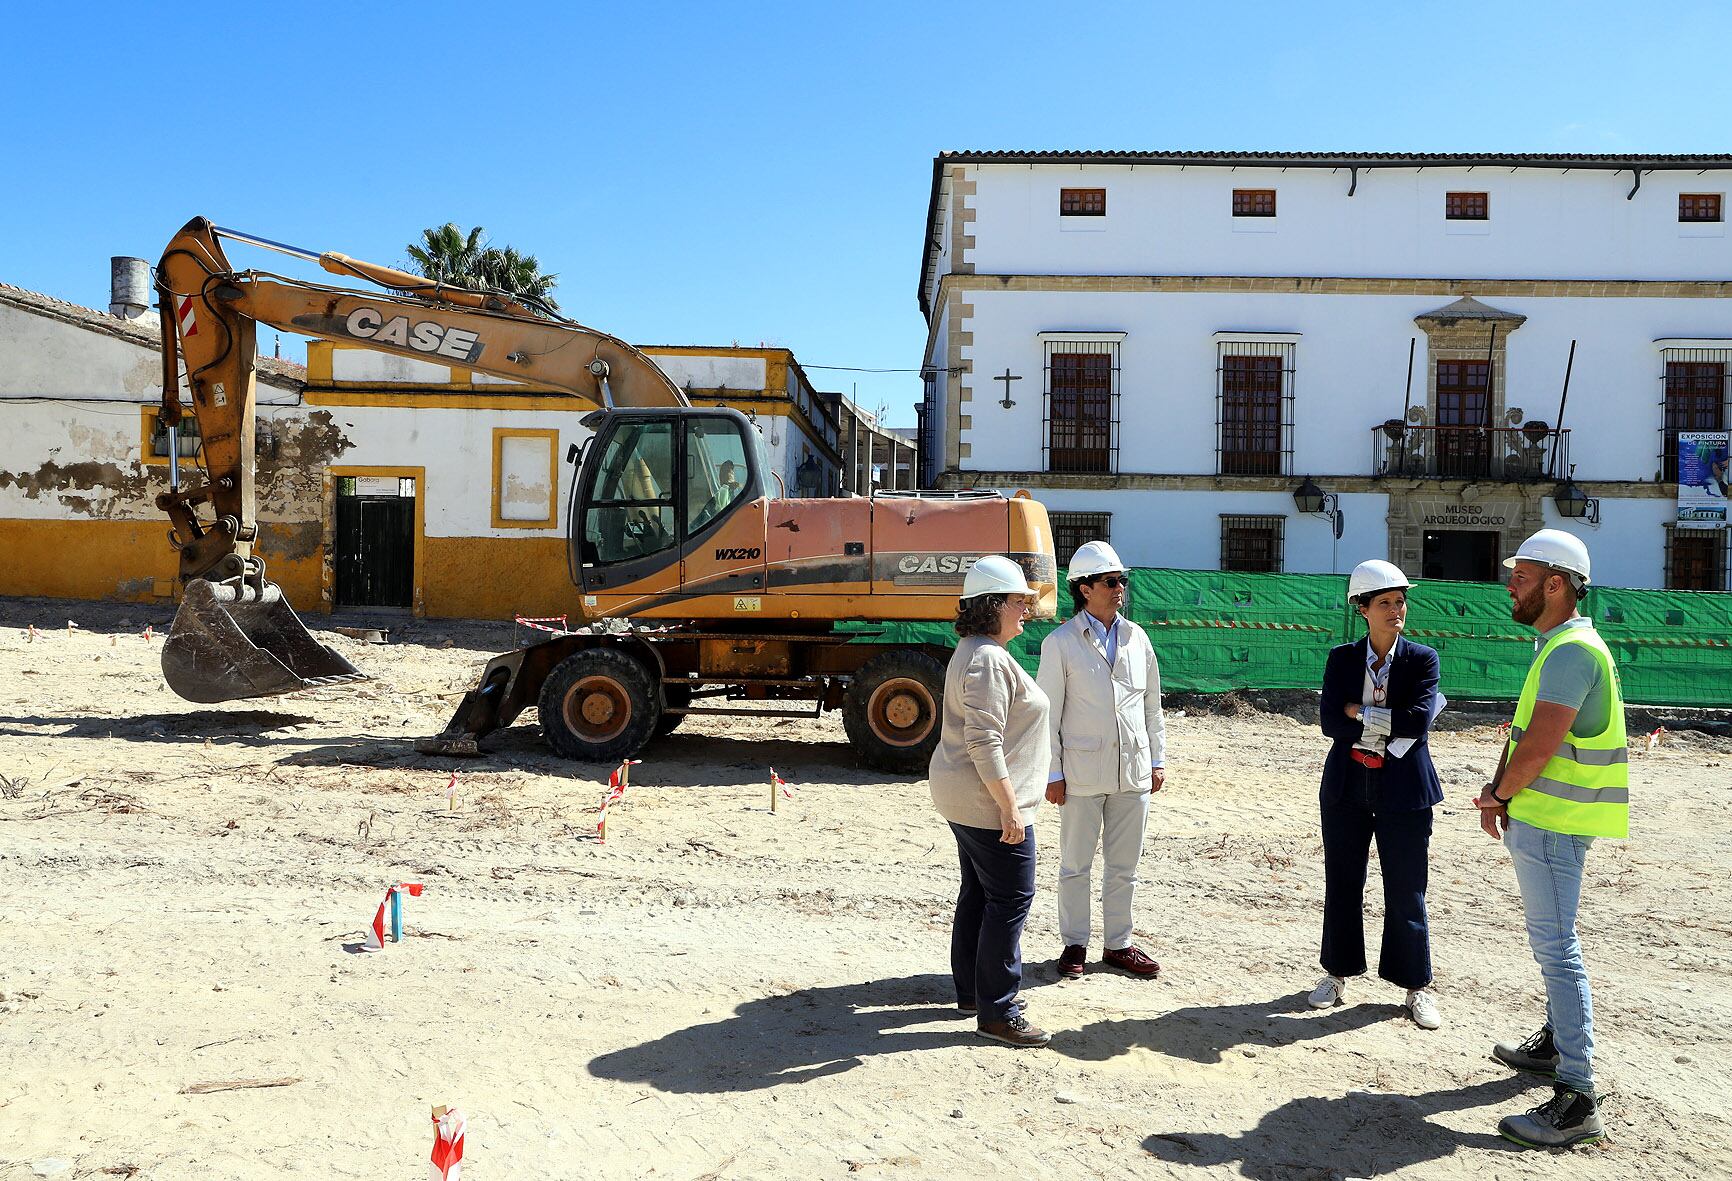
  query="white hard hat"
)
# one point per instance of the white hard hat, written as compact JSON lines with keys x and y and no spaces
{"x":1092,"y":558}
{"x":1555,"y":548}
{"x":995,"y":575}
{"x":1369,"y":578}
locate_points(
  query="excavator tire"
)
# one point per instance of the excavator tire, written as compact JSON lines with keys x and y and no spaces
{"x":894,"y":708}
{"x":679,"y":697}
{"x":599,"y":705}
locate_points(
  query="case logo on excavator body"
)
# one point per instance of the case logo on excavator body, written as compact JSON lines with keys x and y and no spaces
{"x":937,"y":563}
{"x":425,"y":336}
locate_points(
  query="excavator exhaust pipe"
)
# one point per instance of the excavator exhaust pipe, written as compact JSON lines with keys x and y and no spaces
{"x":232,"y":640}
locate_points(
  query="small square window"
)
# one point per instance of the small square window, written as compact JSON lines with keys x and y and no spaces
{"x":1466,"y":207}
{"x":1082,"y":202}
{"x":187,"y":442}
{"x":1699,"y":207}
{"x":1253,"y":202}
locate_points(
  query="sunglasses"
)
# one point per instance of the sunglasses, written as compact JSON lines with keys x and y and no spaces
{"x":1112,"y":580}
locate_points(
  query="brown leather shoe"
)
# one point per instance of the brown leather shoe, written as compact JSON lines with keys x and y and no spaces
{"x":1070,"y":960}
{"x":1132,"y":961}
{"x":1015,"y":1032}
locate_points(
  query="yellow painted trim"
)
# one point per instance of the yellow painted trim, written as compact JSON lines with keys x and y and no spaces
{"x":147,"y":427}
{"x":328,"y":580}
{"x":675,"y":350}
{"x":557,"y":402}
{"x":319,"y":363}
{"x":500,"y":434}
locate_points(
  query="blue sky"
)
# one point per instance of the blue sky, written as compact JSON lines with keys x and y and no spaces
{"x":710,"y":174}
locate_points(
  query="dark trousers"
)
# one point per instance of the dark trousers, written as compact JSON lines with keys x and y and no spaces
{"x":1350,"y":820}
{"x":991,"y":907}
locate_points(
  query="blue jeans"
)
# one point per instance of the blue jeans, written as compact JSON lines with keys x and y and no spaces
{"x":991,"y":907}
{"x":1548,"y":868}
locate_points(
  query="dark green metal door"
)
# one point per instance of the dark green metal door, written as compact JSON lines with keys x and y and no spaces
{"x":375,"y":544}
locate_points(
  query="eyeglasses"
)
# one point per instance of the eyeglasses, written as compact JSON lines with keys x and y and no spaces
{"x":1113,"y":580}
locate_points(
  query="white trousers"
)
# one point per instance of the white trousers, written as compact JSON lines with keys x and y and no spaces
{"x":1115,"y":824}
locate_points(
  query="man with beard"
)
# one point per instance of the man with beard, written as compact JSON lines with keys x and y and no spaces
{"x":1563,"y":781}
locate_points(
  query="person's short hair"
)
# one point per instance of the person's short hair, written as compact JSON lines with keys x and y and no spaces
{"x":979,"y":616}
{"x":1365,"y":599}
{"x":1076,"y":584}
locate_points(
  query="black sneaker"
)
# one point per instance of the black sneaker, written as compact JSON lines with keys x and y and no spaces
{"x":1015,"y":1032}
{"x":1568,"y":1118}
{"x":1537,"y":1055}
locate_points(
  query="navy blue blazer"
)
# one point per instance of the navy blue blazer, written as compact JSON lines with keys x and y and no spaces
{"x":1410,"y":782}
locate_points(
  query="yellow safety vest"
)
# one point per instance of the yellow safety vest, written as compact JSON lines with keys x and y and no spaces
{"x":1584,"y":789}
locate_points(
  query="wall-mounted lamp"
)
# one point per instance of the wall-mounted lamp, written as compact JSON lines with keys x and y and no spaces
{"x":1309,"y":498}
{"x":1576,"y":504}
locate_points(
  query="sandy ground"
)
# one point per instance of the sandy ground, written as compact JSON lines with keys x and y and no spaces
{"x":722,"y":992}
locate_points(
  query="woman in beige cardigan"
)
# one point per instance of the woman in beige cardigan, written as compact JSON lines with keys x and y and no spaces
{"x":988,"y":775}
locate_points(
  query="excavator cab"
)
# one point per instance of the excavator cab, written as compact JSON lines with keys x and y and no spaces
{"x":651,"y":485}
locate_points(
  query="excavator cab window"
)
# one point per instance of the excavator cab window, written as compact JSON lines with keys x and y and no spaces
{"x":630,"y":512}
{"x":716,"y":471}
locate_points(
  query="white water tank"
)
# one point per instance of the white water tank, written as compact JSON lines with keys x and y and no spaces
{"x":128,"y":287}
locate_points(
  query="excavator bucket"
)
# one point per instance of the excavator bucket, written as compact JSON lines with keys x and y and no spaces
{"x":231,"y":642}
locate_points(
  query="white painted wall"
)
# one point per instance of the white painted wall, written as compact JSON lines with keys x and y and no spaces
{"x":1350,"y":372}
{"x":1181,"y":530}
{"x":1544,"y":223}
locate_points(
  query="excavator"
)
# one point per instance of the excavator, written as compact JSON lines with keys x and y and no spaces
{"x":695,"y":590}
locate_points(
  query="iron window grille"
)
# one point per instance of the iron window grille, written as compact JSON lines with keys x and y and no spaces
{"x":1071,"y":530}
{"x":188,"y":442}
{"x":1252,"y":545}
{"x":1082,"y":202}
{"x":1253,"y":202}
{"x":1699,"y":207}
{"x":1695,"y":395}
{"x":1466,"y":207}
{"x":1080,"y":406}
{"x":1254,"y":408}
{"x":1696,"y":559}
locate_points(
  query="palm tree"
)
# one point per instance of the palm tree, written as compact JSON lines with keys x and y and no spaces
{"x":450,"y":255}
{"x":518,"y":274}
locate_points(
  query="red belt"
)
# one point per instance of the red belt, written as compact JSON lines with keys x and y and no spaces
{"x":1365,"y":758}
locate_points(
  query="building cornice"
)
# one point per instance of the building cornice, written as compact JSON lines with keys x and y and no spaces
{"x":1351,"y":285}
{"x":1354,"y":162}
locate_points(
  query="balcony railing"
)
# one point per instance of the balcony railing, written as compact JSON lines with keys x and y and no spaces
{"x":1514,"y":454}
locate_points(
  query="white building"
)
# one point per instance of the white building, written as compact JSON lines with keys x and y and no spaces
{"x":1166,"y":347}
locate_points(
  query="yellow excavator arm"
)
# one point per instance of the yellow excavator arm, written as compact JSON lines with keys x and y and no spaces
{"x":234,"y":636}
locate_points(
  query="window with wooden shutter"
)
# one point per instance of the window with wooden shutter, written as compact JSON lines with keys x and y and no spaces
{"x":1252,"y":545}
{"x":1082,"y":406}
{"x":1082,"y":202}
{"x":1695,"y":559}
{"x":1253,"y":202}
{"x":1699,"y":207}
{"x":1071,"y":530}
{"x":1695,"y":401}
{"x":1466,"y":207}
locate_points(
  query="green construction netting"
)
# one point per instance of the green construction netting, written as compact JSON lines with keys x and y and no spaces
{"x":1215,"y":631}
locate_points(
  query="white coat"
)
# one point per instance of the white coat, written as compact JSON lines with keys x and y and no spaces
{"x":1108,"y":733}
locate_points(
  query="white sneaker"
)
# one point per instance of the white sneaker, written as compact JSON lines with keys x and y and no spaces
{"x":1422,"y":1006}
{"x":1329,"y":992}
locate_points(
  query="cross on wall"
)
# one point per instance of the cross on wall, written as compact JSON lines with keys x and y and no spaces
{"x":1007,"y":377}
